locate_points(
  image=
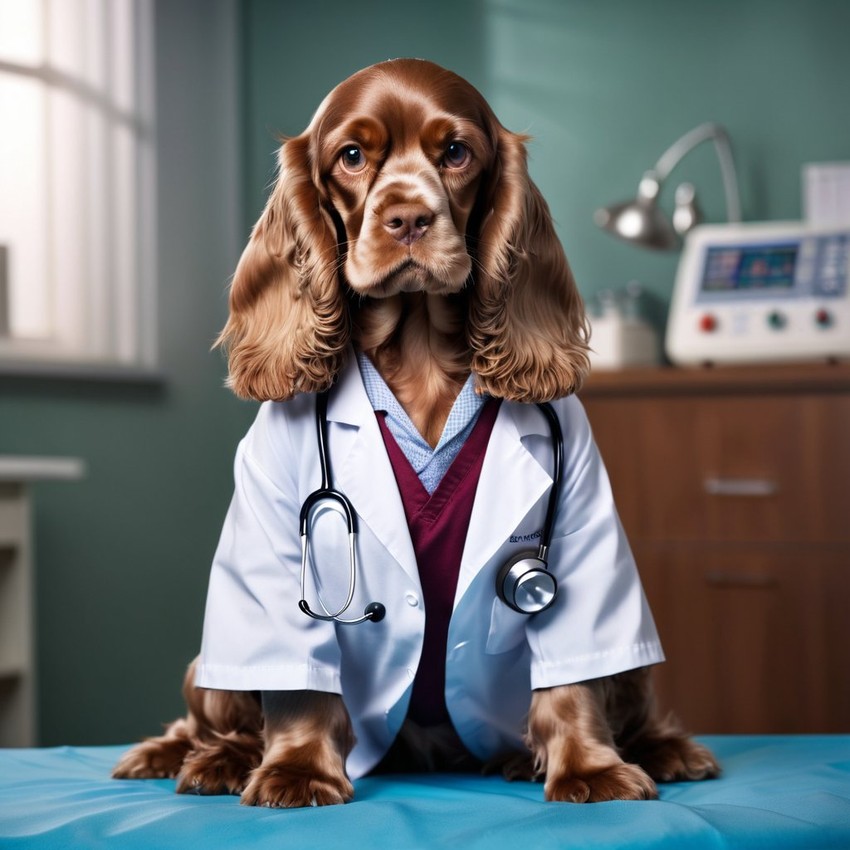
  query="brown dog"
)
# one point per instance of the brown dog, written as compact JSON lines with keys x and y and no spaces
{"x":404,"y":224}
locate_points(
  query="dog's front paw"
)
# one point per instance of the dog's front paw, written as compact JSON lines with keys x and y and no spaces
{"x":210,"y":776}
{"x":221,"y":766}
{"x":619,"y":782}
{"x":291,"y":784}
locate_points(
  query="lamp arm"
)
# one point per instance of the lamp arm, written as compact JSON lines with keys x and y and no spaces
{"x":703,"y":133}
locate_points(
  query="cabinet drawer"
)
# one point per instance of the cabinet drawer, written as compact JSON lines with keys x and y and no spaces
{"x":757,"y":639}
{"x":764,"y":468}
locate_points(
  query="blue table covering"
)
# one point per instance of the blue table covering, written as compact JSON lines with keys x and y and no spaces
{"x":776,"y":792}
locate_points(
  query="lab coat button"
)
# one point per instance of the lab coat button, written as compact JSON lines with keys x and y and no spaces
{"x":412,"y":599}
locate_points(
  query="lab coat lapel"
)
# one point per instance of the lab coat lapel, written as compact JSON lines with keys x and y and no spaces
{"x":511,"y":483}
{"x":362,"y":469}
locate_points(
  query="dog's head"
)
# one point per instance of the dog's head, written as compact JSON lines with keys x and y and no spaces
{"x":404,"y":181}
{"x":401,"y":150}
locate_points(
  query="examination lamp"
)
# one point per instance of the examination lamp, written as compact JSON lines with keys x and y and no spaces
{"x":642,"y":222}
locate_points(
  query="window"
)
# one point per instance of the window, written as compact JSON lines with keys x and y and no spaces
{"x":77,"y":180}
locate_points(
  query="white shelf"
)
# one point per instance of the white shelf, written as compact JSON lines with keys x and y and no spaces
{"x":18,"y":686}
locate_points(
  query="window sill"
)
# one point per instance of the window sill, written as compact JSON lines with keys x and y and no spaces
{"x":26,"y":469}
{"x":83,"y":371}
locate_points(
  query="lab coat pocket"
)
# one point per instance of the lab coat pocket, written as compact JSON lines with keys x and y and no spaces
{"x":507,"y":629}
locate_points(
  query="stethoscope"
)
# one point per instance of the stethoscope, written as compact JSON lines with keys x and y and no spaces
{"x":524,"y":583}
{"x":326,"y":498}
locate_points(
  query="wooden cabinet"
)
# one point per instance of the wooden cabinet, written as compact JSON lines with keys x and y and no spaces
{"x":733,"y":485}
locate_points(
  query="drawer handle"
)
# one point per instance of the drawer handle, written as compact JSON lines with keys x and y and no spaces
{"x":748,"y":487}
{"x":722,"y":579}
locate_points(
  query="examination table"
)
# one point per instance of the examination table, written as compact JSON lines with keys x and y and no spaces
{"x":776,"y":792}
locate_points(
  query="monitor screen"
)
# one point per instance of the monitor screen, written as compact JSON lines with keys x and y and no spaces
{"x":758,"y":268}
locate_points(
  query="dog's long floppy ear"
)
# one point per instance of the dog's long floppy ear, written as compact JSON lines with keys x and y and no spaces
{"x":527,"y":327}
{"x":288,"y":328}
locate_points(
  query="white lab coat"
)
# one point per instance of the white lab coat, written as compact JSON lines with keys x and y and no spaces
{"x":256,"y":638}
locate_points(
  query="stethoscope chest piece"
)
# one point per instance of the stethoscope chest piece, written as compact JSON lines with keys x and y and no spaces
{"x":525,"y":584}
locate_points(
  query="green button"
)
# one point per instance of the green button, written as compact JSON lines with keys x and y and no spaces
{"x":777,"y":320}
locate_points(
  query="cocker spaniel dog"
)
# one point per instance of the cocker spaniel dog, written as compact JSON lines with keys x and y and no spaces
{"x":406,"y":272}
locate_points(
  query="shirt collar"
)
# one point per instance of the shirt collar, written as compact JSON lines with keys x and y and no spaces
{"x":465,"y":408}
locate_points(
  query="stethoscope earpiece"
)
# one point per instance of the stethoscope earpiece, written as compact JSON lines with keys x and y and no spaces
{"x":375,"y":612}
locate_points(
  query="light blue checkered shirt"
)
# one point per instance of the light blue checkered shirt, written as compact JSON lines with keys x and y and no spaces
{"x":429,"y":464}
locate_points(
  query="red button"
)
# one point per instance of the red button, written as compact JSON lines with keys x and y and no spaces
{"x":823,"y":318}
{"x":708,"y":323}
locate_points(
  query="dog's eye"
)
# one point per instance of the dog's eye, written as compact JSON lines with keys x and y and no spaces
{"x":352,"y":159}
{"x":457,"y":155}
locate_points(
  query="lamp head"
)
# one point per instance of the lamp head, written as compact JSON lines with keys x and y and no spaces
{"x":640,"y":221}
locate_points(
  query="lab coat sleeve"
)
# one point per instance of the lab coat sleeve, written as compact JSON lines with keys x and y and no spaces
{"x":600,"y":623}
{"x":255,"y":637}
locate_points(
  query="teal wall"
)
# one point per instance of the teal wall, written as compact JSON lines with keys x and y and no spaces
{"x":603,"y":85}
{"x":607,"y":86}
{"x":296,"y":52}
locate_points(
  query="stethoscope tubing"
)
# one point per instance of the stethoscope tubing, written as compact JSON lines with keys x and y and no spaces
{"x":375,"y":611}
{"x":557,"y":477}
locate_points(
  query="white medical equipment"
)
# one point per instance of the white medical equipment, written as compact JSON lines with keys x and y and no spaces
{"x":619,"y":336}
{"x":748,"y":293}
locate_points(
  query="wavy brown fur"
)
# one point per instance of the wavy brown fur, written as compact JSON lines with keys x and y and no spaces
{"x":288,"y":329}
